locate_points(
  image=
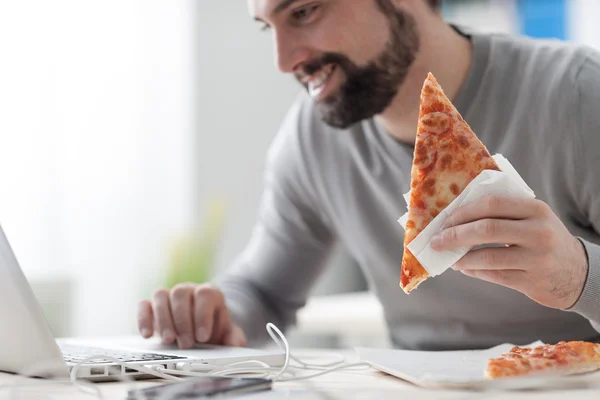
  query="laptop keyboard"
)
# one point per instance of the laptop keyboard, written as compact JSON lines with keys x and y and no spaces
{"x":75,"y":354}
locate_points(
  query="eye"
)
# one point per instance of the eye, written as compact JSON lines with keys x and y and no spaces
{"x":304,"y":14}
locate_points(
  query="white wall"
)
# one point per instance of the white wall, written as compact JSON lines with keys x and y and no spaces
{"x":242,"y":99}
{"x":483,"y":15}
{"x":120,"y":121}
{"x":96,"y":164}
{"x":500,"y":16}
{"x":583,"y":23}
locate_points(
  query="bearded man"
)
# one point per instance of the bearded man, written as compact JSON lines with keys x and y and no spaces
{"x":339,"y":166}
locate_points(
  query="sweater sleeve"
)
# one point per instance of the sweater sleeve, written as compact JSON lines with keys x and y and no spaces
{"x":587,"y":148}
{"x":289,"y":244}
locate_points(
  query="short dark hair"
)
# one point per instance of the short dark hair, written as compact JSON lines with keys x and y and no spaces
{"x":435,"y":3}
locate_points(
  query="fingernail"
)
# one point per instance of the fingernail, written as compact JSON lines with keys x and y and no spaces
{"x":188,"y":341}
{"x":185,"y":342}
{"x":146,"y":332}
{"x":202,"y":334}
{"x":235,"y":341}
{"x":168,"y":335}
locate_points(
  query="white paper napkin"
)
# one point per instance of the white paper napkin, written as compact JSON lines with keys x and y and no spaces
{"x":464,"y":369}
{"x":508,"y":182}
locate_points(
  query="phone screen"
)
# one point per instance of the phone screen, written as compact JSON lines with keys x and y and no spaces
{"x":194,"y":388}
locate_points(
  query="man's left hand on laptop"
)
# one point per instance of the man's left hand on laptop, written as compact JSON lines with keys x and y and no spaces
{"x":189,"y":313}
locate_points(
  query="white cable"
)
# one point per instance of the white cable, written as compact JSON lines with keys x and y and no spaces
{"x":283,"y":343}
{"x":263,"y":370}
{"x":137,"y":367}
{"x":304,"y":364}
{"x":250,"y":368}
{"x":327,"y":371}
{"x":44,"y":368}
{"x":194,"y":367}
{"x":243,"y":369}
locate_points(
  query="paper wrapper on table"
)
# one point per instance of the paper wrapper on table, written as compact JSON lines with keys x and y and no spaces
{"x":464,"y":369}
{"x":506,"y":182}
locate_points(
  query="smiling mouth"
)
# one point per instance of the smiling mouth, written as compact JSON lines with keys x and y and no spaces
{"x":317,"y":82}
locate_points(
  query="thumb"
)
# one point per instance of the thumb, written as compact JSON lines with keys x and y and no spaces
{"x":236,"y":337}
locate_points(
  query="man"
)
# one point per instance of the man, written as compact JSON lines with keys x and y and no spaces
{"x":341,"y":162}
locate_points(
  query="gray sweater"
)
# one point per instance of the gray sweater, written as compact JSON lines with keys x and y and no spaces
{"x":535,"y":102}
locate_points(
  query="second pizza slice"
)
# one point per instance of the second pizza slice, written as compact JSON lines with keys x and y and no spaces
{"x":447,"y":157}
{"x":563,"y":358}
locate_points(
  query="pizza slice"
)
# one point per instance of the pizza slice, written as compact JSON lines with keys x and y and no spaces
{"x":447,"y":157}
{"x":563,"y":358}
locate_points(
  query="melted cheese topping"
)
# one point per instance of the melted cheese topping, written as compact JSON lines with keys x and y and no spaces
{"x":563,"y":357}
{"x":447,"y":157}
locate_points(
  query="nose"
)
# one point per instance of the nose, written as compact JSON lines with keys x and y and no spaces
{"x":290,"y":52}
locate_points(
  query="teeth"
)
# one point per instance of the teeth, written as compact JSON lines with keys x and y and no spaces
{"x":318,"y":80}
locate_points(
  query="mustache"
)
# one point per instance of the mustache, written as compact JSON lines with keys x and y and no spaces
{"x":316,"y":65}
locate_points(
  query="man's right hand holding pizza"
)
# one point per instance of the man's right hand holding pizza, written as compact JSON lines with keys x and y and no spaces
{"x":542,"y":260}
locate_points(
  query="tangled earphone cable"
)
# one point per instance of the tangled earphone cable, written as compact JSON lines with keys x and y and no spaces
{"x":265,"y":371}
{"x":242,"y":369}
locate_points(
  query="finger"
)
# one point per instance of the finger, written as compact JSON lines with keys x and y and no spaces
{"x":493,"y":259}
{"x":206,"y":302}
{"x":181,"y":300}
{"x":236,"y":337}
{"x":145,"y":319}
{"x":508,"y":278}
{"x":484,"y":231}
{"x":221,"y":326}
{"x":493,"y":207}
{"x":225,"y":331}
{"x":162,"y":314}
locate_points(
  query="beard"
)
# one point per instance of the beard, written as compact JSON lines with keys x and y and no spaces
{"x":368,"y":90}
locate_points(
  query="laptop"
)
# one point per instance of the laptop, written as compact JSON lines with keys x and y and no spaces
{"x":28,"y":347}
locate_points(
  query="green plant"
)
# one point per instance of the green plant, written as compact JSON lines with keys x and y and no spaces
{"x":193,"y":256}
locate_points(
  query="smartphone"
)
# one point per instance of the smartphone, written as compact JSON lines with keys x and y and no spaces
{"x":195,"y":388}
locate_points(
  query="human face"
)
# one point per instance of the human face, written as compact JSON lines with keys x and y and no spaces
{"x":350,"y":55}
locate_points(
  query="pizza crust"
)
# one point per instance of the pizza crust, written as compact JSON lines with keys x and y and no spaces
{"x":447,"y":157}
{"x":413,"y":283}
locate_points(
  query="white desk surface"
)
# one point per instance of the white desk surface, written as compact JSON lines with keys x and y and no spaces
{"x":365,"y":384}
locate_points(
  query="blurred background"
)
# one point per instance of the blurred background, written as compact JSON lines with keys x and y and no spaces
{"x":132,"y":143}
